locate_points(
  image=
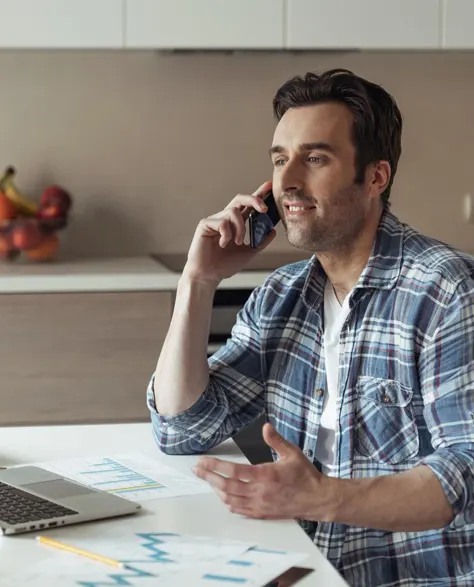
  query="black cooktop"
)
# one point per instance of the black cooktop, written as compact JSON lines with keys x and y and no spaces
{"x":262,"y":262}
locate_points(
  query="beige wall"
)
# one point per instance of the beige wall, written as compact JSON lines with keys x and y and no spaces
{"x":148,"y":143}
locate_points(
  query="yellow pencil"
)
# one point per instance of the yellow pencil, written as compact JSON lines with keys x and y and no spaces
{"x":79,"y":551}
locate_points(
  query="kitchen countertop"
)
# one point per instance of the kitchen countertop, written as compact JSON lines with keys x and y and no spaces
{"x":154,"y":272}
{"x":112,"y":274}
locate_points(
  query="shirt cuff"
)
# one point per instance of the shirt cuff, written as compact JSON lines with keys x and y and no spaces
{"x":455,"y":472}
{"x":199,"y":421}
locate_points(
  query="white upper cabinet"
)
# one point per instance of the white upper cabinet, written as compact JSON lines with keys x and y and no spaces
{"x":57,"y":24}
{"x":204,"y":24}
{"x":237,"y":24}
{"x":458,"y":30}
{"x":364,"y":24}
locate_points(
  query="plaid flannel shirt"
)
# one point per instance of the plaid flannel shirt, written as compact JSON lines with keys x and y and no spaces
{"x":406,"y":394}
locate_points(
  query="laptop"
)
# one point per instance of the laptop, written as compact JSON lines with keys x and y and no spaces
{"x":32,"y":498}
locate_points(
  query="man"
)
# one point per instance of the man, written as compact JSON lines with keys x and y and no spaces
{"x":361,"y":358}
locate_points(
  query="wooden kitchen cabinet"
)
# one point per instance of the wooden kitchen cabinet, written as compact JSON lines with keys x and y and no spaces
{"x":79,"y":357}
{"x":57,"y":24}
{"x":363,"y":24}
{"x":204,"y":24}
{"x":458,"y":30}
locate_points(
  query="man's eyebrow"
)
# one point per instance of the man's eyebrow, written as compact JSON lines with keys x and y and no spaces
{"x":318,"y":146}
{"x":275,"y":149}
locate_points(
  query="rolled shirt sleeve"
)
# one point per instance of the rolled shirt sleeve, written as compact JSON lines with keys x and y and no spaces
{"x":233,"y":397}
{"x":446,"y":367}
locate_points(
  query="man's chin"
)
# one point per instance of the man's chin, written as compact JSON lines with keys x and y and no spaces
{"x":300,"y":242}
{"x":306,"y":242}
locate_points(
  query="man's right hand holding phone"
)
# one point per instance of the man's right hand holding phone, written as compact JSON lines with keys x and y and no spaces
{"x":218,"y":250}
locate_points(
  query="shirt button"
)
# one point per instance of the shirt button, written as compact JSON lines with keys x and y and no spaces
{"x":386,"y":399}
{"x":319,"y":392}
{"x":308,"y":452}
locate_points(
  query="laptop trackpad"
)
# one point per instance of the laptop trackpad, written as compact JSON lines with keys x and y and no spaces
{"x":57,"y":489}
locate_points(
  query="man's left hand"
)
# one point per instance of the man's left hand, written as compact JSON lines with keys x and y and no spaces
{"x":290,"y":488}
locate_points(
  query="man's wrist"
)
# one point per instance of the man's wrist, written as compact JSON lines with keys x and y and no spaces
{"x":195,"y":279}
{"x":334,"y":491}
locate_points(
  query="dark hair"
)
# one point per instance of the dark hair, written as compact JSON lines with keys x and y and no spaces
{"x":377,"y":128}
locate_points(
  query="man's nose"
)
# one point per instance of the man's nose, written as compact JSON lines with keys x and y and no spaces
{"x":292,"y":177}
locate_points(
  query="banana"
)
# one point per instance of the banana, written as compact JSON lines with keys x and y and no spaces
{"x":22,"y":202}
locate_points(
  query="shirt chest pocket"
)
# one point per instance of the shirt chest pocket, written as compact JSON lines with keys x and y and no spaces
{"x":385,"y":426}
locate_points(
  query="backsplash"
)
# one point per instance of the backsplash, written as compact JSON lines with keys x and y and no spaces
{"x":148,"y":143}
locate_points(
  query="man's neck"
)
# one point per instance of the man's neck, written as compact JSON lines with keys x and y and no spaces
{"x":345,"y":265}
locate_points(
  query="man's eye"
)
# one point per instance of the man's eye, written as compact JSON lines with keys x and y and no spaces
{"x":278,"y":162}
{"x":315,"y":159}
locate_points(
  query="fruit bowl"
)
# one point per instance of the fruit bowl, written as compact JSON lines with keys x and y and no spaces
{"x":30,"y":228}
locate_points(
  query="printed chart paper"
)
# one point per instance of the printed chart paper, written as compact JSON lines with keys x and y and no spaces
{"x":158,"y":558}
{"x":132,"y":476}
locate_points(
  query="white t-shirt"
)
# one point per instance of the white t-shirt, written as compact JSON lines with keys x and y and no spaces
{"x":335,"y":315}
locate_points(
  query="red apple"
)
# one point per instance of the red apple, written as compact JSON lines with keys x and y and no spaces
{"x":55,"y":195}
{"x":51,"y":211}
{"x":27,"y":235}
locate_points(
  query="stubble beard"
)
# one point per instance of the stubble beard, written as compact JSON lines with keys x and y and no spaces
{"x":338,"y":229}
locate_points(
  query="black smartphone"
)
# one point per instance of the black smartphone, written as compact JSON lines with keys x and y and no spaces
{"x":262,"y":223}
{"x":290,"y":577}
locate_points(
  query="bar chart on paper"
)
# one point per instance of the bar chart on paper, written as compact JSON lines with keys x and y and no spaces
{"x":112,"y":476}
{"x":135,"y":477}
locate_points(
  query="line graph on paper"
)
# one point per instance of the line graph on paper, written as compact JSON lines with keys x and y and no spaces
{"x":133,"y":476}
{"x":158,"y":558}
{"x":150,"y":557}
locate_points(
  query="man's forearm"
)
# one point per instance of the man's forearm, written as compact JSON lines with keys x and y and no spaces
{"x":182,"y":371}
{"x":406,"y":502}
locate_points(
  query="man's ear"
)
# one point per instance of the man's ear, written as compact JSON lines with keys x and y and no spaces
{"x":381,"y":174}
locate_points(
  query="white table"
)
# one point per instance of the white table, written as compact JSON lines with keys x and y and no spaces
{"x":197,"y":514}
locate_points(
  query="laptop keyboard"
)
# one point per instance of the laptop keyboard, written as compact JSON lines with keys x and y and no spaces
{"x":20,"y":507}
